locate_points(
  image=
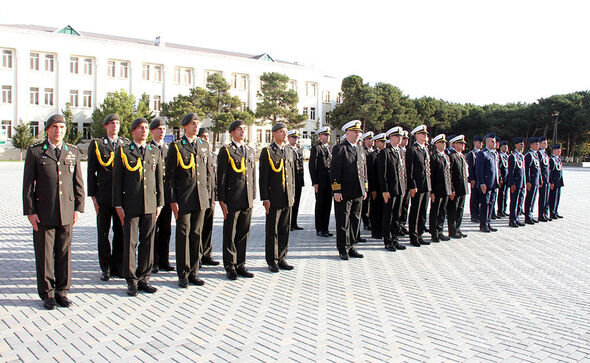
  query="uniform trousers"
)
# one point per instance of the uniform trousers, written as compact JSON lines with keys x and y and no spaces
{"x":403,"y":218}
{"x":376,"y":215}
{"x":437,"y":215}
{"x":390,"y":222}
{"x":323,"y":208}
{"x":417,"y":217}
{"x":529,"y":201}
{"x":236,"y":230}
{"x":544,"y":201}
{"x":365,"y":213}
{"x":138,"y":269}
{"x":516,"y":203}
{"x":474,"y":202}
{"x":348,"y":222}
{"x":109,"y":259}
{"x":455,"y":208}
{"x":189,"y":227}
{"x":295,"y":208}
{"x":53,"y":260}
{"x":162,"y":237}
{"x":278,"y":226}
{"x":554,"y":197}
{"x":503,"y":198}
{"x":487,"y":207}
{"x":207,"y":233}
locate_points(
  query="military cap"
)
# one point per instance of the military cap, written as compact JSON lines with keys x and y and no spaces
{"x":439,"y":138}
{"x":420,"y":130}
{"x":279,"y":125}
{"x":54,"y":120}
{"x":459,"y":138}
{"x":477,"y":138}
{"x":323,"y":130}
{"x":502,"y":143}
{"x":188,"y":118}
{"x":542,"y":138}
{"x":406,"y":135}
{"x":293,"y":133}
{"x":556,"y":146}
{"x":379,"y":137}
{"x":234,"y":125}
{"x":395,"y":131}
{"x":354,"y":125}
{"x":518,"y":140}
{"x":533,"y":139}
{"x":202,"y":130}
{"x":450,"y":137}
{"x":137,"y":122}
{"x":490,"y":135}
{"x":110,"y":117}
{"x":157,"y":122}
{"x":368,"y":135}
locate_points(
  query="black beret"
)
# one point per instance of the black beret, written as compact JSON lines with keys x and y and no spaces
{"x":502,"y":143}
{"x":278,"y":126}
{"x":157,"y":122}
{"x":234,"y":125}
{"x":137,"y":122}
{"x":542,"y":138}
{"x":490,"y":135}
{"x":188,"y":118}
{"x":477,"y":138}
{"x":202,"y":130}
{"x":518,"y":139}
{"x":556,"y":146}
{"x":54,"y":120}
{"x":111,"y":117}
{"x":533,"y":139}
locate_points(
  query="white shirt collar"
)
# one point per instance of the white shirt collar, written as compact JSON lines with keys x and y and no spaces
{"x":55,"y":146}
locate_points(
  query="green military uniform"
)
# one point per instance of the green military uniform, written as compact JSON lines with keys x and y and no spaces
{"x":163,"y":223}
{"x":207,"y":234}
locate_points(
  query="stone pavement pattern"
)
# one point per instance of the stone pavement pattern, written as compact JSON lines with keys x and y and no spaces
{"x":515,"y":295}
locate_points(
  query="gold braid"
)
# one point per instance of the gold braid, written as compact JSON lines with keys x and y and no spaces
{"x":242,"y":168}
{"x":280,"y":169}
{"x":137,"y":166}
{"x":191,"y":163}
{"x":103,"y":163}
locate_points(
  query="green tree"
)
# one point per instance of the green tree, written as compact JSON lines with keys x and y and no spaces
{"x":183,"y":104}
{"x":361,"y":102}
{"x":72,"y":136}
{"x":277,"y":102}
{"x":123,"y":104}
{"x":22,"y":138}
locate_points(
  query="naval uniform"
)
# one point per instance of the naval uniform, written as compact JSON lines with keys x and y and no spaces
{"x":319,"y":171}
{"x":299,"y":183}
{"x":53,"y":189}
{"x":440,"y":171}
{"x":366,"y":206}
{"x":403,"y":218}
{"x":388,"y":174}
{"x":475,"y":198}
{"x":163,"y":223}
{"x":533,"y":176}
{"x":418,"y":170}
{"x":376,"y":207}
{"x":460,"y":183}
{"x":516,"y":178}
{"x":544,"y":188}
{"x":555,"y":179}
{"x":503,"y":189}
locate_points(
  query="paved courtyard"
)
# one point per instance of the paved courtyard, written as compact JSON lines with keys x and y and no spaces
{"x":515,"y":295}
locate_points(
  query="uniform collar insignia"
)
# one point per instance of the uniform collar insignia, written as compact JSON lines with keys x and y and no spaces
{"x":132,"y":147}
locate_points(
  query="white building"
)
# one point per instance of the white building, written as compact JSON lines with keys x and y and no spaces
{"x":42,"y":68}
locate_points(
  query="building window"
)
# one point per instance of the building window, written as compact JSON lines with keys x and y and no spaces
{"x":34,"y":93}
{"x":49,"y":62}
{"x":312,"y":113}
{"x":86,"y":131}
{"x":188,"y":76}
{"x":34,"y":61}
{"x":111,"y":68}
{"x":88,"y":66}
{"x":49,"y":96}
{"x":293,"y":85}
{"x":177,"y":72}
{"x":158,"y":73}
{"x":259,"y":136}
{"x":146,"y":72}
{"x":244,"y":107}
{"x":87,"y":100}
{"x":327,"y":97}
{"x":240,"y":81}
{"x":311,"y":89}
{"x":74,"y":65}
{"x":267,"y":136}
{"x":74,"y":98}
{"x":339,"y":98}
{"x":7,"y":125}
{"x":6,"y":58}
{"x":124,"y":70}
{"x":34,"y":128}
{"x":6,"y":94}
{"x":305,"y":111}
{"x":305,"y":135}
{"x":157,"y":103}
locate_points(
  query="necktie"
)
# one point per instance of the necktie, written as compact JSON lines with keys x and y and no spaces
{"x":242,"y":149}
{"x":142,"y":151}
{"x":114,"y":144}
{"x":57,"y":152}
{"x":194,"y":146}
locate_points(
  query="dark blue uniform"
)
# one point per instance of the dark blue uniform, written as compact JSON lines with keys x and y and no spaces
{"x":555,"y":179}
{"x":544,"y":187}
{"x":503,"y":189}
{"x":486,"y":170}
{"x":516,"y":177}
{"x":533,"y":176}
{"x":474,"y":200}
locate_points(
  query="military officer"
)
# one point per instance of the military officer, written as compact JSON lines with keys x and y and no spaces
{"x":277,"y":192}
{"x":186,"y":189}
{"x":53,"y":196}
{"x":516,"y":182}
{"x":406,"y":197}
{"x":319,"y":171}
{"x":544,"y":188}
{"x":138,"y":197}
{"x":533,"y":179}
{"x":555,"y":181}
{"x":368,"y":144}
{"x":101,"y":154}
{"x":376,"y":207}
{"x":293,"y":137}
{"x":460,"y":183}
{"x":207,"y":234}
{"x":392,"y":183}
{"x":486,"y":171}
{"x":440,"y":171}
{"x":503,"y":189}
{"x":475,"y":198}
{"x":163,"y":227}
{"x":236,"y":191}
{"x":348,"y":172}
{"x":418,"y":170}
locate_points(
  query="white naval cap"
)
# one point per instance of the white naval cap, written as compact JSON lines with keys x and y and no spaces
{"x":406,"y":134}
{"x":369,"y":134}
{"x":354,"y":125}
{"x":379,"y":137}
{"x":323,"y":130}
{"x":460,"y":138}
{"x":395,"y":131}
{"x":293,"y":133}
{"x":420,"y":130}
{"x":439,"y":138}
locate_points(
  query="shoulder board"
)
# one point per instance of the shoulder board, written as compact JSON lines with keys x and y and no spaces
{"x":37,"y":144}
{"x":71,"y":146}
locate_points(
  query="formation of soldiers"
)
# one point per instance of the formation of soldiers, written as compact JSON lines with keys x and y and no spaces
{"x":136,"y":187}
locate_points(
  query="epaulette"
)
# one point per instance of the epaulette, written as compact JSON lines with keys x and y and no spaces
{"x":71,"y":146}
{"x":37,"y":144}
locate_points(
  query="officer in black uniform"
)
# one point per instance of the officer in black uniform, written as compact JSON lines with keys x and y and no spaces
{"x":293,"y":137}
{"x":503,"y":190}
{"x":403,"y":219}
{"x":418,"y":168}
{"x":440,"y":171}
{"x":475,"y":198}
{"x":460,"y":183}
{"x":544,"y":188}
{"x":163,"y":223}
{"x":555,"y":181}
{"x":236,"y":191}
{"x":138,"y":196}
{"x":101,"y":154}
{"x":376,"y":207}
{"x":348,"y":172}
{"x":53,"y":195}
{"x":207,"y":234}
{"x":319,"y":171}
{"x":366,"y":207}
{"x":186,"y":189}
{"x":533,"y":179}
{"x":277,"y":192}
{"x":516,"y":182}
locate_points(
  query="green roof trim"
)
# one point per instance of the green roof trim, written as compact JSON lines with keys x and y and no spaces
{"x":265,"y":57}
{"x":69,"y":30}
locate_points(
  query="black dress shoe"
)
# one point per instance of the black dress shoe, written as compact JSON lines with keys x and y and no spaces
{"x":405,"y":231}
{"x":493,"y":229}
{"x":116,"y":274}
{"x":353,"y":253}
{"x":463,"y":235}
{"x":435,"y":239}
{"x":389,"y":247}
{"x":322,"y":234}
{"x":494,"y":216}
{"x":167,"y":268}
{"x":361,"y":239}
{"x":426,"y":229}
{"x":105,"y":276}
{"x":529,"y":221}
{"x":558,"y":215}
{"x":535,"y":220}
{"x":131,"y":289}
{"x":243,"y":271}
{"x":183,"y":283}
{"x":543,"y":219}
{"x":331,"y":234}
{"x":343,"y":256}
{"x":456,"y":235}
{"x":444,"y":238}
{"x":484,"y":229}
{"x":231,"y":274}
{"x":513,"y":224}
{"x":398,"y":246}
{"x":209,"y":261}
{"x":63,"y":301}
{"x":520,"y":224}
{"x":297,"y":228}
{"x":415,"y":243}
{"x":49,"y":303}
{"x":146,"y":288}
{"x":155,"y":270}
{"x":195,"y":280}
{"x":423,"y":242}
{"x":273,"y":268}
{"x":283,"y":265}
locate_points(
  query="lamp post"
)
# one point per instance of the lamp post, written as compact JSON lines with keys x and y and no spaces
{"x":555,"y":115}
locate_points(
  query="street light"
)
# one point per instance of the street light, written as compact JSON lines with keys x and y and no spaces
{"x":555,"y":115}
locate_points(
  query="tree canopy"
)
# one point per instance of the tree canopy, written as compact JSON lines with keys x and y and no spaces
{"x":277,"y":103}
{"x":123,"y":104}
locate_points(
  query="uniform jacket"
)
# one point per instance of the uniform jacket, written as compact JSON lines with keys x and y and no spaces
{"x":319,"y":165}
{"x":516,"y":173}
{"x":532,"y":167}
{"x":236,"y":189}
{"x":389,"y":171}
{"x":372,"y":177}
{"x":187,"y":187}
{"x":163,"y":154}
{"x":544,"y":166}
{"x":471,"y":156}
{"x":212,"y":178}
{"x":459,"y":173}
{"x":486,"y":169}
{"x":440,"y":171}
{"x":418,"y":168}
{"x":299,"y":178}
{"x":53,"y":189}
{"x":556,"y":172}
{"x":348,"y":170}
{"x":503,"y":167}
{"x":272,"y":188}
{"x":100,"y":177}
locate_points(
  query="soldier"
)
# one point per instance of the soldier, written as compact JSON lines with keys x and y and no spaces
{"x":319,"y":171}
{"x":186,"y":189}
{"x":293,"y":137}
{"x":53,"y":197}
{"x":533,"y":179}
{"x":516,"y":182}
{"x":555,"y":180}
{"x":367,"y":148}
{"x":163,"y":227}
{"x":406,"y":197}
{"x":207,"y":234}
{"x":138,"y":197}
{"x":376,"y":207}
{"x":460,"y":183}
{"x":348,"y":172}
{"x":392,"y":183}
{"x":236,"y":191}
{"x":486,"y":170}
{"x":418,"y":169}
{"x":277,"y":192}
{"x":101,"y":154}
{"x":440,"y":171}
{"x":475,"y":199}
{"x":544,"y":188}
{"x":495,"y":198}
{"x":503,"y":190}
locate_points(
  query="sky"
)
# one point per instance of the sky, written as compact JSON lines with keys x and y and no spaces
{"x":475,"y":51}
